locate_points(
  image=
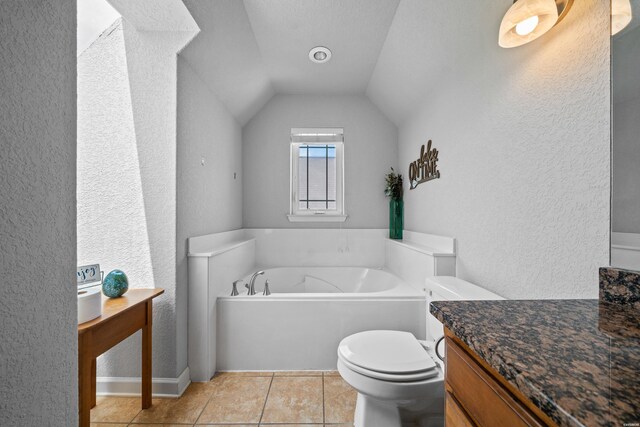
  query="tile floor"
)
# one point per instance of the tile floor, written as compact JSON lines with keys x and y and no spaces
{"x":241,"y":399}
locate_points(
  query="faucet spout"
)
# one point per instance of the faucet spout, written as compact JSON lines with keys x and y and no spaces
{"x":252,"y":282}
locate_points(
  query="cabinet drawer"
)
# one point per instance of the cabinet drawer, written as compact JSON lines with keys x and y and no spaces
{"x":454,"y":414}
{"x":485,"y":400}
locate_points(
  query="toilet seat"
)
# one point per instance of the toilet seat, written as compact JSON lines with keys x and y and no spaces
{"x":387,"y":355}
{"x":419,"y":376}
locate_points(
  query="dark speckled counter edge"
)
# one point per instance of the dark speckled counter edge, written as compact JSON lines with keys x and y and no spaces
{"x":619,"y":286}
{"x":590,"y":377}
{"x":505,"y":369}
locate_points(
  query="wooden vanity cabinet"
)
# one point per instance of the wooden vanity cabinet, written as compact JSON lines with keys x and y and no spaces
{"x":476,"y":395}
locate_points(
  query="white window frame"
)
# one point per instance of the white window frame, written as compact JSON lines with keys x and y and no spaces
{"x":316,"y":136}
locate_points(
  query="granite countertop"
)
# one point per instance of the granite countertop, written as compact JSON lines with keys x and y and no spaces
{"x":577,"y":360}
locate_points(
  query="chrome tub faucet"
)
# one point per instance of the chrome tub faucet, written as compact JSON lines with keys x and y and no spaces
{"x":252,"y":282}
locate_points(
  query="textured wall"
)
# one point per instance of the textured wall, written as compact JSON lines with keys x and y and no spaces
{"x":225,"y":55}
{"x":38,"y":338}
{"x":523,"y":136}
{"x":209,"y":196}
{"x":127,"y":178}
{"x":370,"y":148}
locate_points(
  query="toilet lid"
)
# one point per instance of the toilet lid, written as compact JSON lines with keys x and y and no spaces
{"x":403,"y":378}
{"x":390,"y":352}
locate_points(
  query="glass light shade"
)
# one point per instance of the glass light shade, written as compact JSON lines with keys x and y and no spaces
{"x":620,"y":15}
{"x":527,"y":26}
{"x":521,"y":15}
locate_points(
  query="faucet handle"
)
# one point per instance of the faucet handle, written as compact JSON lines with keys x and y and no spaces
{"x":234,"y":290}
{"x":249,"y":289}
{"x":266,"y":288}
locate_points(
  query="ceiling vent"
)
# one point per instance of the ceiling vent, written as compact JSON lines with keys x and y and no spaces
{"x":319,"y":54}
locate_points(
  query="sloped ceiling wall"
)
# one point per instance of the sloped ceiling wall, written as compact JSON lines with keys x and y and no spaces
{"x":248,"y":51}
{"x":156,"y":15}
{"x":421,"y":47}
{"x":394,"y":51}
{"x":226,"y":56}
{"x":354,"y":30}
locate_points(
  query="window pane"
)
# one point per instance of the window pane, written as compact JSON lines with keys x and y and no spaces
{"x":317,"y":206}
{"x":317,"y":177}
{"x":302,"y":177}
{"x":331,"y":193}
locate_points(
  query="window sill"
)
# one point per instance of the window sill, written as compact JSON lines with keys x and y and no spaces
{"x":317,"y":218}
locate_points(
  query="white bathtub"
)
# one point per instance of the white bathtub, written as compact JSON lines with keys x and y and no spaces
{"x":310,"y":309}
{"x":317,"y":282}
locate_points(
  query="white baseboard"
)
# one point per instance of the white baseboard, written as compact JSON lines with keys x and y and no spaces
{"x":160,"y":387}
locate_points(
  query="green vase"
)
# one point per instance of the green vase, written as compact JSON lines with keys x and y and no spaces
{"x":396,"y":218}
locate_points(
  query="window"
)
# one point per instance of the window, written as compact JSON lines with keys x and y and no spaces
{"x":317,"y":167}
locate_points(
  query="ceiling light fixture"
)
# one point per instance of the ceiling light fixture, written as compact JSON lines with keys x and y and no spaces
{"x":319,"y":54}
{"x":620,"y":15}
{"x":526,"y":20}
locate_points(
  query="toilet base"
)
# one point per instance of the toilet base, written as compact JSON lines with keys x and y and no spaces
{"x":372,"y":412}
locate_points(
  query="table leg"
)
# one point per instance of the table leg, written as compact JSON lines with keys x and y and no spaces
{"x":146,"y":358}
{"x":93,"y":382}
{"x":84,"y":380}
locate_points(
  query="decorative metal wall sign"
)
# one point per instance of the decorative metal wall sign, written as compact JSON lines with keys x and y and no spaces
{"x":425,"y":168}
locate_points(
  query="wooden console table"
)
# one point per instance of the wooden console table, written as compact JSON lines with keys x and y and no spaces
{"x":121,"y":317}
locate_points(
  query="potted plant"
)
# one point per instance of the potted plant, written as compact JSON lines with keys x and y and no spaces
{"x":393,"y":190}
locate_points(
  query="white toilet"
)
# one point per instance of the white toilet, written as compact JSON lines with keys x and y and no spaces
{"x":400,"y":380}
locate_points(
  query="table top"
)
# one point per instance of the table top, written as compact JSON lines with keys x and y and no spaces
{"x":576,"y":360}
{"x":115,"y":306}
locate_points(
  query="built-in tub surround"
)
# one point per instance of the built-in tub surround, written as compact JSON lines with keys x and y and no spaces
{"x":325,"y":284}
{"x":559,"y":353}
{"x":214,"y":261}
{"x":300,"y":325}
{"x":319,"y":281}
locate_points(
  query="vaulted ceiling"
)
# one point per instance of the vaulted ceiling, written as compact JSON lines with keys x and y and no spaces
{"x":354,"y":30}
{"x":389,"y":50}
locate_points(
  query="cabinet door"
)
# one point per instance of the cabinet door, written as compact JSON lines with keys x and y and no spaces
{"x":481,"y":396}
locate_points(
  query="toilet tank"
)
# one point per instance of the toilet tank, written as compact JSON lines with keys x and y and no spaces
{"x":449,"y":288}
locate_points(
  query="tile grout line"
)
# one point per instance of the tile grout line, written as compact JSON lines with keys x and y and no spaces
{"x":324,"y":417}
{"x":266,"y":398}
{"x":208,"y":400}
{"x":113,"y":422}
{"x":139,"y":412}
